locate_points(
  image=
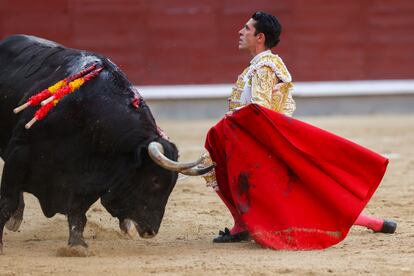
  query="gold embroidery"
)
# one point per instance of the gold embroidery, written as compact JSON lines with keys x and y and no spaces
{"x":236,"y":94}
{"x":263,"y":81}
{"x":209,"y":177}
{"x":234,"y":99}
{"x":280,"y":94}
{"x":263,"y":77}
{"x":234,"y":105}
{"x":276,"y":63}
{"x":281,"y":69}
{"x":277,"y":98}
{"x":290,"y":105}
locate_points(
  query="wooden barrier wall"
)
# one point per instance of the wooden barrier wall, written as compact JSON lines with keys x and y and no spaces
{"x":195,"y":41}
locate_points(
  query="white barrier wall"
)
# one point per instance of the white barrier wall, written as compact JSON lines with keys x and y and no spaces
{"x":312,"y":98}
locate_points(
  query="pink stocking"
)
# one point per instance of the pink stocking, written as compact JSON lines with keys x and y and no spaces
{"x":372,"y":223}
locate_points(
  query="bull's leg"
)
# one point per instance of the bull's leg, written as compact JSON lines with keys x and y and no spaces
{"x":14,"y":173}
{"x":77,"y":221}
{"x":7,"y":206}
{"x":13,"y":224}
{"x":77,"y":224}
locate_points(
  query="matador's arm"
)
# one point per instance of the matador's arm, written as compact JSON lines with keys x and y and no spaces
{"x":263,"y":81}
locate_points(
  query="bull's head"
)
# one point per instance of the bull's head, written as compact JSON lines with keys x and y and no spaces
{"x":143,"y":203}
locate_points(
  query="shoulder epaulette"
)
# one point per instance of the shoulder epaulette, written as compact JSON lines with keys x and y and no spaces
{"x":276,"y":64}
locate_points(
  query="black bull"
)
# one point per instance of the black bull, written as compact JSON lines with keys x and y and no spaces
{"x":92,"y":145}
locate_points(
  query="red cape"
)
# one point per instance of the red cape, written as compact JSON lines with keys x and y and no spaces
{"x":294,"y":185}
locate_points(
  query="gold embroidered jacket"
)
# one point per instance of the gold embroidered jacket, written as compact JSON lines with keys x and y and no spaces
{"x":266,"y":82}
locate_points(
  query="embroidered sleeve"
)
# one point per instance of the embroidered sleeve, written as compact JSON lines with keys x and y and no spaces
{"x":282,"y":100}
{"x":210,"y":177}
{"x":263,"y":81}
{"x":290,"y":105}
{"x":234,"y":99}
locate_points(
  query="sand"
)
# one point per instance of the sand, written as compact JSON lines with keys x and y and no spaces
{"x":194,"y":215}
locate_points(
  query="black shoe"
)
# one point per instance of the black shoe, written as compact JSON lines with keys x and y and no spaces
{"x":225,"y":236}
{"x":388,"y":227}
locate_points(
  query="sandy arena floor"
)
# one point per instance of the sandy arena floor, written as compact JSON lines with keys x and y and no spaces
{"x":194,"y":215}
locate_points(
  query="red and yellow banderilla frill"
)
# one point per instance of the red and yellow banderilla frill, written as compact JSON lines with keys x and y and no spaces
{"x":50,"y":97}
{"x":46,"y":93}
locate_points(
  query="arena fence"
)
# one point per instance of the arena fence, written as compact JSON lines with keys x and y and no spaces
{"x":312,"y":98}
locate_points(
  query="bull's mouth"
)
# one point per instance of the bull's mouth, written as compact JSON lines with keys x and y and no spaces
{"x":132,"y":229}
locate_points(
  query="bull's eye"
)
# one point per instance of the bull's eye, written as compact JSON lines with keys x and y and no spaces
{"x":155,"y":183}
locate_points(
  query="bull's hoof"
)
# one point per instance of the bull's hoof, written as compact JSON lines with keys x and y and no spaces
{"x":74,"y":251}
{"x":388,"y":227}
{"x":13,"y":224}
{"x":77,"y":242}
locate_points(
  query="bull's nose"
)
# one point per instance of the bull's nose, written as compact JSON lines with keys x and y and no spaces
{"x":149,"y":234}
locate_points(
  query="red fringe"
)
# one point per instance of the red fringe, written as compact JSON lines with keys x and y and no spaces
{"x":92,"y":75}
{"x":80,"y":74}
{"x":39,"y":97}
{"x":61,"y":92}
{"x":43,"y":111}
{"x":44,"y":94}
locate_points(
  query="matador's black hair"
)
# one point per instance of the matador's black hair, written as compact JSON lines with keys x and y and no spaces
{"x":269,"y":26}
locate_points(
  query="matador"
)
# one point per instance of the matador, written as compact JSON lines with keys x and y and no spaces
{"x":287,"y":184}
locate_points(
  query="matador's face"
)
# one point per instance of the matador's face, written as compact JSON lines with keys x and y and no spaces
{"x":247,"y":37}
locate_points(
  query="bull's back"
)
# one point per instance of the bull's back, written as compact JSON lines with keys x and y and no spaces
{"x":24,"y":61}
{"x":27,"y":64}
{"x":30,"y":64}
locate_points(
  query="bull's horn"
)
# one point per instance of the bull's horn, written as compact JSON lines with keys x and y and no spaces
{"x":156,"y":152}
{"x":198,"y":170}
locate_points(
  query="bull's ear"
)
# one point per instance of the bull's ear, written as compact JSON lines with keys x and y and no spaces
{"x":140,"y":155}
{"x":170,"y":150}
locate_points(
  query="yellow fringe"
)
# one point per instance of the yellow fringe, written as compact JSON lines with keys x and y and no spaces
{"x":76,"y":84}
{"x":52,"y":89}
